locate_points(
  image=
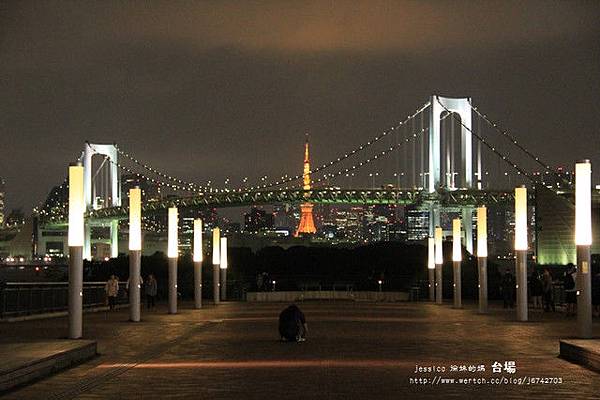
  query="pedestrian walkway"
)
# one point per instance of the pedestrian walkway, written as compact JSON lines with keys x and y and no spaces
{"x":354,"y":350}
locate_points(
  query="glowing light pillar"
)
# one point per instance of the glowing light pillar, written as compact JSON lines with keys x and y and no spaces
{"x":216,"y":260}
{"x":223,"y":267}
{"x":431,"y":267}
{"x":456,"y":262}
{"x":114,"y":238}
{"x":583,"y":241}
{"x":197,"y":258}
{"x":521,"y":247}
{"x":135,"y":252}
{"x":76,"y":239}
{"x":439,"y":260}
{"x":173,"y":253}
{"x":467,"y":217}
{"x":482,"y":253}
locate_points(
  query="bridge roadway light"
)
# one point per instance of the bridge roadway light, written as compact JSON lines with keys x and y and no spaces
{"x":521,"y":246}
{"x":439,"y":260}
{"x":223,"y":267}
{"x":456,"y":262}
{"x":583,"y":241}
{"x":216,"y":260}
{"x":197,"y":257}
{"x":173,"y":254}
{"x":75,"y":241}
{"x":135,"y":252}
{"x":482,"y":254}
{"x":431,"y":267}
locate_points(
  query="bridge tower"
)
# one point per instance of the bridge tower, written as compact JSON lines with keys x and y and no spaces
{"x":91,"y":201}
{"x":462,"y":107}
{"x":307,"y":224}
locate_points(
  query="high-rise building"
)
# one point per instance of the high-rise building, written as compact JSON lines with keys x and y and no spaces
{"x":15,"y":218}
{"x":556,"y":227}
{"x":417,"y":223}
{"x":307,"y":223}
{"x":284,"y":217}
{"x":258,"y":220}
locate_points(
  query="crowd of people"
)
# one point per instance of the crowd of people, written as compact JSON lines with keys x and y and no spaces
{"x":541,"y":289}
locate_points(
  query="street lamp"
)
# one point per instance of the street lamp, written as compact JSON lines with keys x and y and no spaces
{"x":482,"y":253}
{"x":75,"y":241}
{"x":431,"y":267}
{"x":223,"y":267}
{"x":456,"y":262}
{"x":583,"y":241}
{"x":439,"y":260}
{"x":274,"y":283}
{"x":135,"y":252}
{"x":216,"y":260}
{"x":197,"y":258}
{"x":173,"y":254}
{"x":521,"y":247}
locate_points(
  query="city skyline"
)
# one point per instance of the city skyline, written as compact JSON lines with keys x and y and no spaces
{"x":197,"y":99}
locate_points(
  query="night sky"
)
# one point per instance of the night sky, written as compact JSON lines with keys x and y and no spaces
{"x":228,"y":89}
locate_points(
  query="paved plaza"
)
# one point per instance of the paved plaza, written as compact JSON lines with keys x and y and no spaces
{"x":354,"y":350}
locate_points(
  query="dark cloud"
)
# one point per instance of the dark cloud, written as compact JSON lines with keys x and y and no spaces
{"x":191,"y":87}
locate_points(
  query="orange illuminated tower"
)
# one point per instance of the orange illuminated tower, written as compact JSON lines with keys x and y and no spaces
{"x":307,"y":224}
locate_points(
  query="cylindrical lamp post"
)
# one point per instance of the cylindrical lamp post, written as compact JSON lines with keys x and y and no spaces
{"x":439,"y":260}
{"x":223,"y":267}
{"x":482,"y":258}
{"x":583,"y":241}
{"x":75,"y":239}
{"x":135,"y":252}
{"x":173,"y":254}
{"x":456,"y":262}
{"x":431,"y":267}
{"x":197,"y":258}
{"x":216,"y":260}
{"x":521,"y":247}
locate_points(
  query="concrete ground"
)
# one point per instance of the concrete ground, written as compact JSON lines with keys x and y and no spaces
{"x":354,"y":350}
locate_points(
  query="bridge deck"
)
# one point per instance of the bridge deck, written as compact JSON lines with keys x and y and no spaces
{"x":357,"y":196}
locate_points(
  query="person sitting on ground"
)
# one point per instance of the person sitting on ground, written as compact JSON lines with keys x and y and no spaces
{"x":570,"y":291}
{"x":292,"y":324}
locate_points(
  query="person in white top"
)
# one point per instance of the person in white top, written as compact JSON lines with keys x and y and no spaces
{"x":112,"y":290}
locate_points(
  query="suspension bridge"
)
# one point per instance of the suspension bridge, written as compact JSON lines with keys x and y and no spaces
{"x":446,"y":154}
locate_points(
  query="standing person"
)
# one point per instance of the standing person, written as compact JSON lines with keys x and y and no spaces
{"x":570,"y":293}
{"x":508,"y":289}
{"x":151,"y":290}
{"x":259,"y":282}
{"x":112,"y":290}
{"x":596,"y":291}
{"x":536,"y":289}
{"x":547,"y":286}
{"x":127,"y":284}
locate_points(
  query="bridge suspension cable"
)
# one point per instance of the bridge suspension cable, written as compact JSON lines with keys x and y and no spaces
{"x":511,"y":138}
{"x":193,"y":187}
{"x":349,"y":154}
{"x":142,"y":176}
{"x":411,"y":137}
{"x":490,"y":146}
